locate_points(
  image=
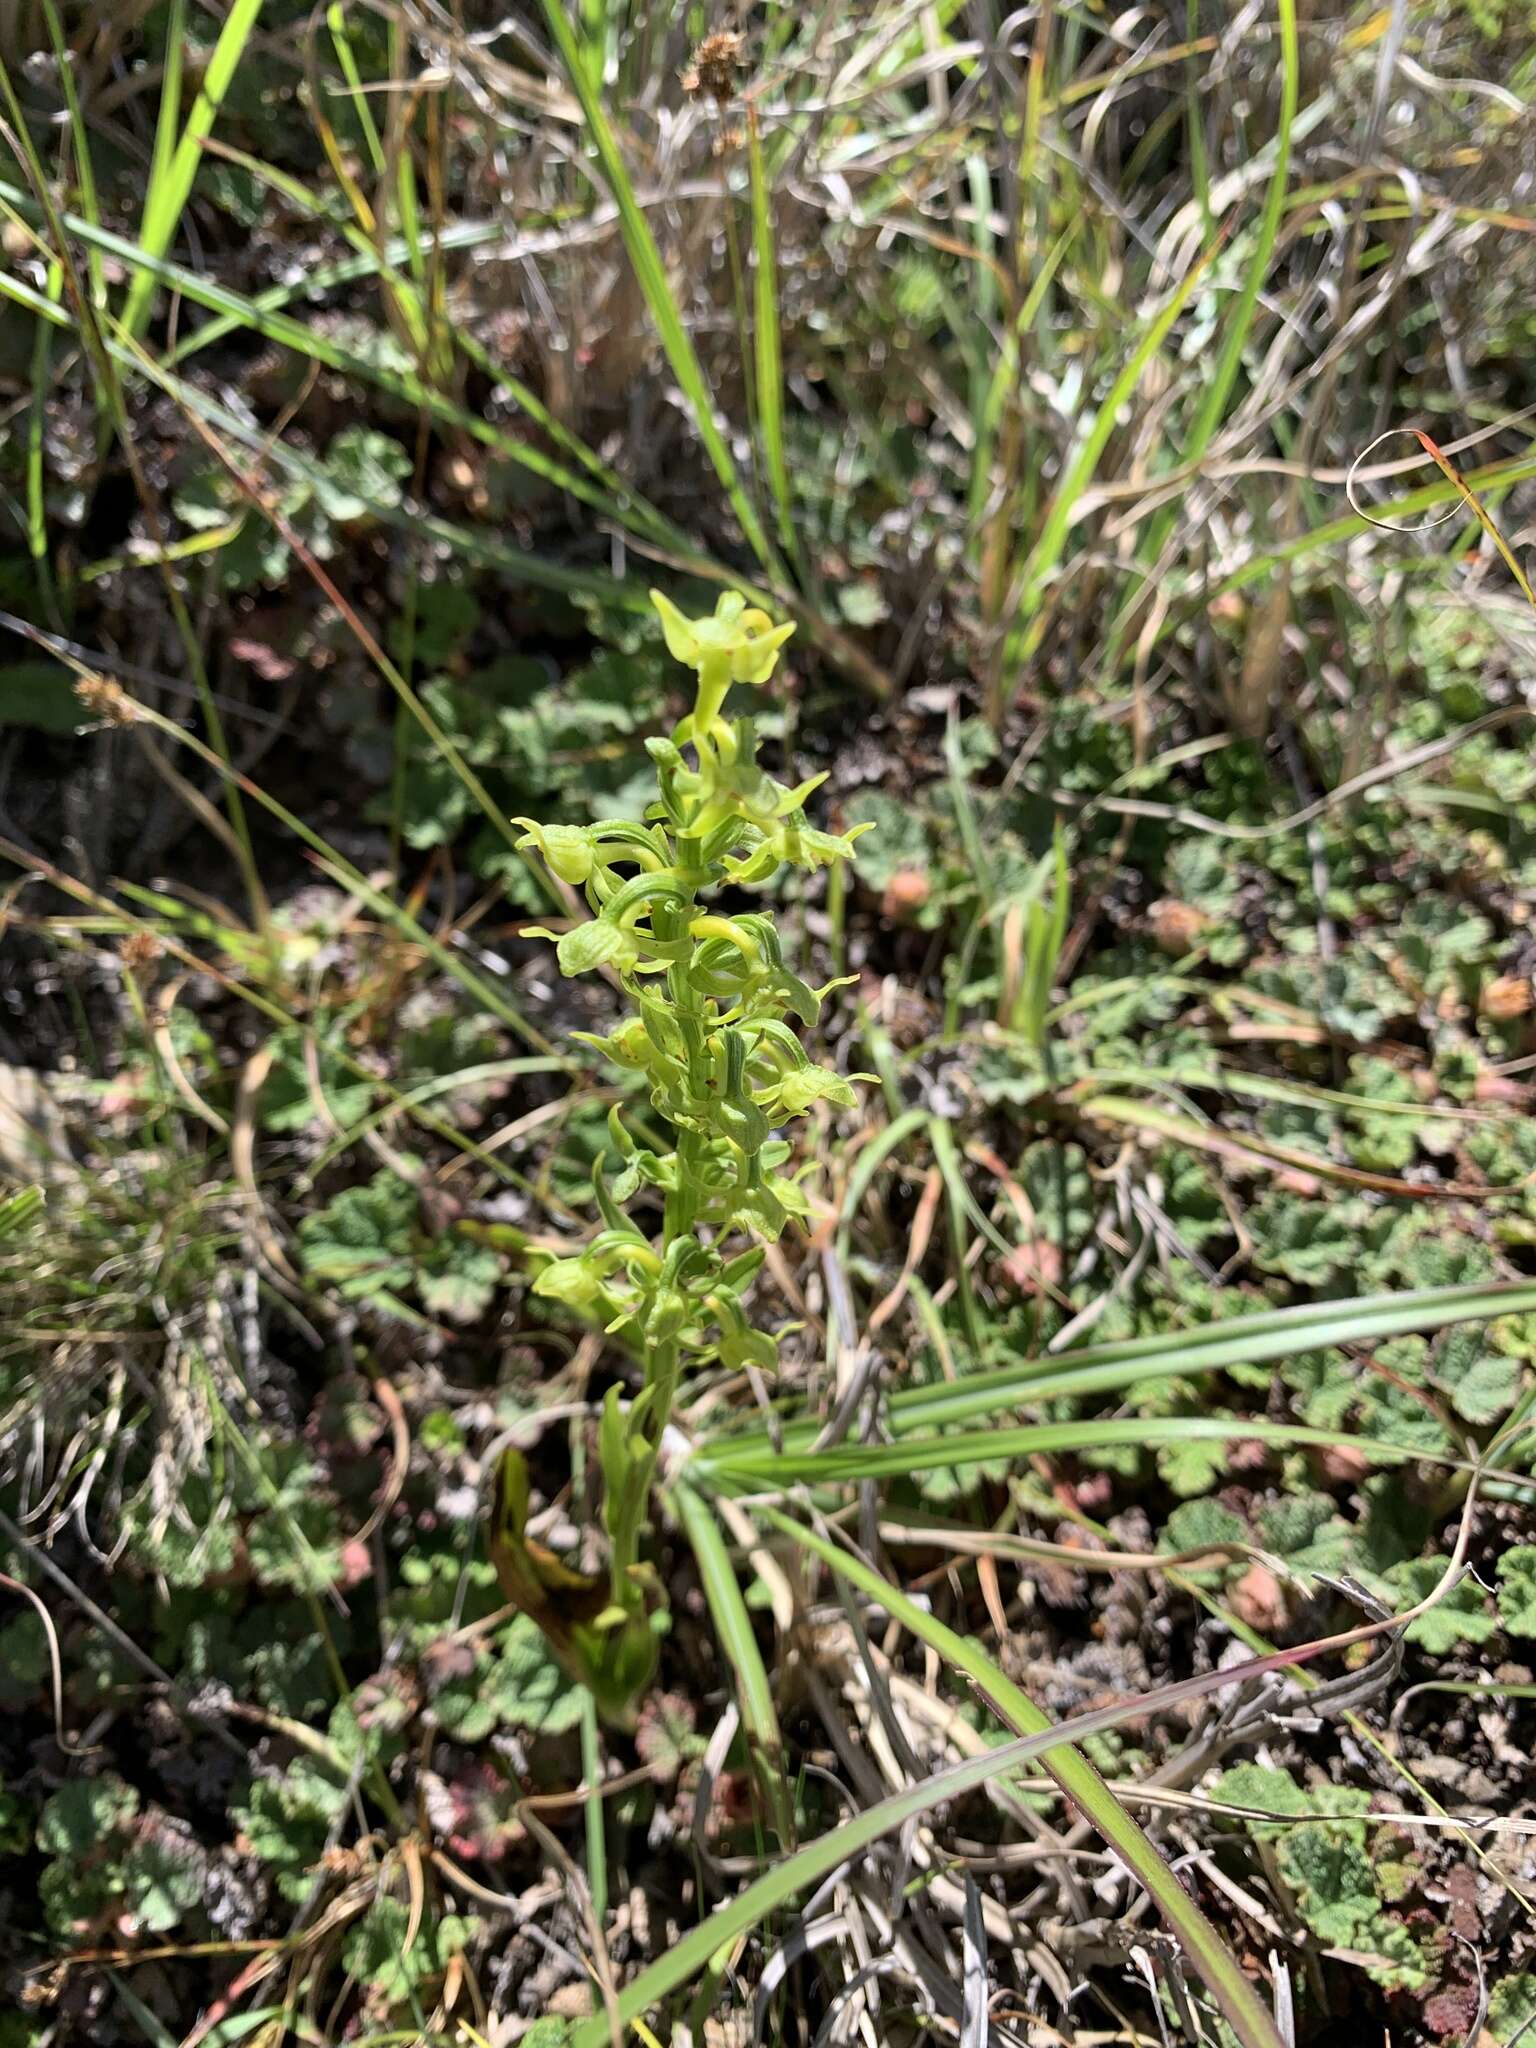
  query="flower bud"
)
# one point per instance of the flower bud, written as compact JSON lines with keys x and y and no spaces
{"x":568,"y":852}
{"x":567,"y":849}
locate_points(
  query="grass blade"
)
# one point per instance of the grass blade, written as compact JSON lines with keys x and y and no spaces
{"x":1239,"y":319}
{"x":1258,"y":1340}
{"x":341,"y":42}
{"x":171,"y":185}
{"x":596,"y":1831}
{"x":80,"y":139}
{"x":768,"y":348}
{"x":1480,"y":514}
{"x":17,"y":1210}
{"x":651,"y":272}
{"x":37,"y":428}
{"x":733,"y":1625}
{"x":956,"y":1213}
{"x":846,"y":1464}
{"x":1493,"y":477}
{"x":168,"y":113}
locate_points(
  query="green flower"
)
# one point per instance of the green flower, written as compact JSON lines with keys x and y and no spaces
{"x":736,"y":645}
{"x":567,"y":849}
{"x":710,"y":1033}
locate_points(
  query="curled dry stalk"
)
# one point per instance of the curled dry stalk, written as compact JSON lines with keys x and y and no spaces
{"x":725,"y":1071}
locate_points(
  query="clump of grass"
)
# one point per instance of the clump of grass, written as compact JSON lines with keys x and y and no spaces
{"x":122,"y":1276}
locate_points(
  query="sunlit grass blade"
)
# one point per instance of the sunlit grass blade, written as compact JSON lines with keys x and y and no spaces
{"x":18,"y":1209}
{"x":912,"y":1454}
{"x":987,"y":303}
{"x":37,"y":428}
{"x":1199,"y":162}
{"x":162,"y":153}
{"x":176,"y":170}
{"x":381,"y":260}
{"x":956,"y":1212}
{"x":969,"y":824}
{"x":1002,"y":387}
{"x":492,"y":1071}
{"x":399,"y":158}
{"x":1201,"y":1075}
{"x":1109,"y":1368}
{"x":595,"y":1830}
{"x":447,"y":958}
{"x":1250,"y":1148}
{"x":406,"y":295}
{"x":336,"y":22}
{"x":651,"y":272}
{"x":733,"y":1629}
{"x":1035,"y":930}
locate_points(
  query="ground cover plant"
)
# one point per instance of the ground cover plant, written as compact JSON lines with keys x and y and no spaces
{"x":766,"y":1182}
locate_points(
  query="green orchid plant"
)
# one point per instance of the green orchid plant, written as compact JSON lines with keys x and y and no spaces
{"x":726,"y":1073}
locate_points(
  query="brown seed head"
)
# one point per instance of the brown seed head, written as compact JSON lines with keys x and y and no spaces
{"x":139,"y":952}
{"x":105,"y":700}
{"x":714,"y":65}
